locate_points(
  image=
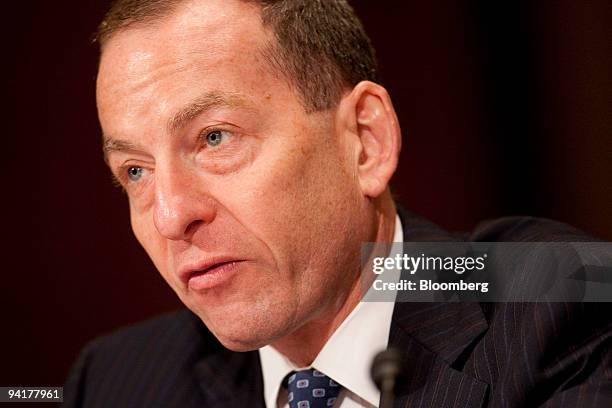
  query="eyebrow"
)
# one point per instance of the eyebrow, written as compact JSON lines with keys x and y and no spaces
{"x":206,"y":102}
{"x":110,"y":145}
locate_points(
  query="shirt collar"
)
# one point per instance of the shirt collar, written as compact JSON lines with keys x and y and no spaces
{"x":363,"y":333}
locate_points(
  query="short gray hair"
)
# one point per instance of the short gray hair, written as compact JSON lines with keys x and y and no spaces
{"x":321,"y":46}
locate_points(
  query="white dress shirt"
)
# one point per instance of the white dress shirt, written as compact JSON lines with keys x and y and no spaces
{"x":346,"y":357}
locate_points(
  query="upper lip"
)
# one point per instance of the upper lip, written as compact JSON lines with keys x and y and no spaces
{"x":186,"y":271}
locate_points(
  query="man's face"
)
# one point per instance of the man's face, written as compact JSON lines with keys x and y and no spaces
{"x":246,"y":204}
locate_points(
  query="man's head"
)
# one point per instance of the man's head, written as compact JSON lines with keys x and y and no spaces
{"x":252,"y":178}
{"x":312,"y":39}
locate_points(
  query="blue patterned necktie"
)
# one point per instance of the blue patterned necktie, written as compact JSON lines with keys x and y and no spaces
{"x":311,"y":389}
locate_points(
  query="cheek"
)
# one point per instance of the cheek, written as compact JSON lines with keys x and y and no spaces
{"x":289,"y":197}
{"x":153,"y":243}
{"x":271,"y":191}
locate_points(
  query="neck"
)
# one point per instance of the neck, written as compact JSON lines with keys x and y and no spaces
{"x":304,"y":344}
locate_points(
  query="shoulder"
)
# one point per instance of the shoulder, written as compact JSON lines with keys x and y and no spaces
{"x":544,"y":353}
{"x":144,"y":359}
{"x":526,"y":229}
{"x":169,"y":333}
{"x":504,"y":229}
{"x":153,"y":333}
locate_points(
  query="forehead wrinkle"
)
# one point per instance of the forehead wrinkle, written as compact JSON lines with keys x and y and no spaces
{"x":206,"y":102}
{"x":144,"y":80}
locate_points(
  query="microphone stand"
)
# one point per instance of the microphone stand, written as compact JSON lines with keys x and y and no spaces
{"x":387,"y":368}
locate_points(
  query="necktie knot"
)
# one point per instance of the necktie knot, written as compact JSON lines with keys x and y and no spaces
{"x":311,"y":389}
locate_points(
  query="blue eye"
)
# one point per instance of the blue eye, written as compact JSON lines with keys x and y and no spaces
{"x":134,"y":173}
{"x":215,"y":137}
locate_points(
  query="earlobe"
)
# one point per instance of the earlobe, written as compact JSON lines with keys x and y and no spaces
{"x":379,"y":136}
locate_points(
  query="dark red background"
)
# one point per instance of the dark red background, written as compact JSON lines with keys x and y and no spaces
{"x":505,"y":109}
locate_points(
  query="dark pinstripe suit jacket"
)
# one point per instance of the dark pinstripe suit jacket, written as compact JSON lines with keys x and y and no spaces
{"x":460,"y":354}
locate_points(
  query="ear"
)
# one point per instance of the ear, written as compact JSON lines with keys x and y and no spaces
{"x":367,"y":114}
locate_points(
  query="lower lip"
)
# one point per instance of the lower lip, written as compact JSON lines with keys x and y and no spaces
{"x":213,"y":277}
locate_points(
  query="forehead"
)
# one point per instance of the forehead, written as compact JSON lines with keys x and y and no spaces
{"x":195,"y":27}
{"x":202,"y":45}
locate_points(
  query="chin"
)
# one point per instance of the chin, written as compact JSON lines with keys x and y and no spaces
{"x":242,"y":339}
{"x":246,"y":333}
{"x":240,"y":345}
{"x":243,"y":323}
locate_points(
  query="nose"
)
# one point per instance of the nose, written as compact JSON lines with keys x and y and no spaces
{"x":181,"y":205}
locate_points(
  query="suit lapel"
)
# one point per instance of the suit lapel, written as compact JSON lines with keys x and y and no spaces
{"x":436,"y":338}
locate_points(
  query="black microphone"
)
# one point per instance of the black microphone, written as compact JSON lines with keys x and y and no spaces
{"x":387,"y":369}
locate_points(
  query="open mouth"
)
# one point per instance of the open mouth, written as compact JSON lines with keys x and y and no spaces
{"x":214,"y":275}
{"x":214,"y":268}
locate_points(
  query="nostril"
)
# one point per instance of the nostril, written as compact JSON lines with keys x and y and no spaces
{"x":192,"y":228}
